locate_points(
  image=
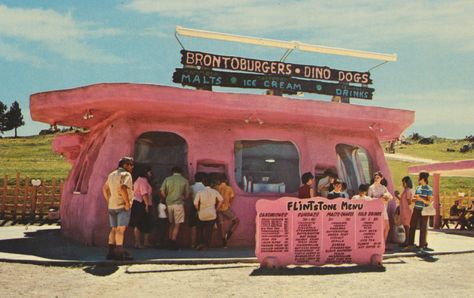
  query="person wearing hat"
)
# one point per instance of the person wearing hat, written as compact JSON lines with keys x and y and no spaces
{"x":337,"y":191}
{"x":118,"y":192}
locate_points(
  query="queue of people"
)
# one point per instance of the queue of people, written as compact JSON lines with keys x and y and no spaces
{"x":208,"y":203}
{"x":130,"y":204}
{"x":414,"y":208}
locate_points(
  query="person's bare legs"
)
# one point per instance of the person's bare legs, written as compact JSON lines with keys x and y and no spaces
{"x":119,"y":234}
{"x":407,"y":232}
{"x":137,"y":234}
{"x":112,"y":236}
{"x":170,"y":231}
{"x":193,"y":233}
{"x":233,"y":226}
{"x":122,"y":254}
{"x":173,"y":235}
{"x":111,"y":242}
{"x":146,"y":240}
{"x":220,"y":228}
{"x":175,"y":231}
{"x":386,"y":228}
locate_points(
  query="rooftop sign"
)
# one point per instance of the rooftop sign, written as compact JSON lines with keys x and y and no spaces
{"x":278,"y":68}
{"x":206,"y":69}
{"x":201,"y":78}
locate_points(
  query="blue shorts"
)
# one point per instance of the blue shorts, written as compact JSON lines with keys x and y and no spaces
{"x":119,"y":217}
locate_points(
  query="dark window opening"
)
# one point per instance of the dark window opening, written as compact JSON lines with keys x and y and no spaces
{"x":354,"y":166}
{"x":266,"y":166}
{"x":161,"y":151}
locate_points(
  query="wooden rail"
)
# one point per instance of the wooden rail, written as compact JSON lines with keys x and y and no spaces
{"x":22,"y":199}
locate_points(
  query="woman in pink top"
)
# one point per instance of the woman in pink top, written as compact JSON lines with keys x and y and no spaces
{"x":405,"y":202}
{"x":378,"y":190}
{"x":140,"y":217}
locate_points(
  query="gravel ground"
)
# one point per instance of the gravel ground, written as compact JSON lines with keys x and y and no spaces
{"x":411,"y":277}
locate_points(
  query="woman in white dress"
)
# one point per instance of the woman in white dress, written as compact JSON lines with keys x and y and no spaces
{"x":379,"y":191}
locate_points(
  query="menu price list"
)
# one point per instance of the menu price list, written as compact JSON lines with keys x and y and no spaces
{"x":274,"y":234}
{"x":367,"y":230}
{"x":307,"y":247}
{"x":338,"y":249}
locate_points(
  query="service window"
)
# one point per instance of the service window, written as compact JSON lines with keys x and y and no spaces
{"x":267,"y":166}
{"x":354,"y":166}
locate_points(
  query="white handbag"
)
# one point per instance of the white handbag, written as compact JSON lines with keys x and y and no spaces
{"x":400,"y":235}
{"x":428,"y":210}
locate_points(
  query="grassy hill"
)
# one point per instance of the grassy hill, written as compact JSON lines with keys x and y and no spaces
{"x":399,"y":170}
{"x":33,"y":157}
{"x":437,"y":151}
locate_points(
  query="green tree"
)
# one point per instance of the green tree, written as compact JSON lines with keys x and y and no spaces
{"x":3,"y":117}
{"x":14,"y":117}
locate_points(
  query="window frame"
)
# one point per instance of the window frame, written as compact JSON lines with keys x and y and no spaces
{"x":356,"y":164}
{"x":243,"y":191}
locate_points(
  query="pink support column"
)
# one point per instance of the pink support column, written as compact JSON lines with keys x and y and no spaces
{"x":436,"y":200}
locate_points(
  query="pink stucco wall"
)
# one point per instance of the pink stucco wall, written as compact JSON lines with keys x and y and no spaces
{"x":210,"y":122}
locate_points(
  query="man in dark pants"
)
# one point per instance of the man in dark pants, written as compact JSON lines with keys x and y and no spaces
{"x":423,"y":197}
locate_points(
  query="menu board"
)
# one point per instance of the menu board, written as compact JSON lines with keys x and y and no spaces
{"x":319,"y":231}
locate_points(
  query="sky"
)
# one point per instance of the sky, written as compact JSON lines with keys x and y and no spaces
{"x":58,"y":44}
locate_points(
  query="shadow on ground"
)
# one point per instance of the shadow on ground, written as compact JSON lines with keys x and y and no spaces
{"x":188,"y":269}
{"x":50,"y":244}
{"x":101,"y":270}
{"x":317,"y":270}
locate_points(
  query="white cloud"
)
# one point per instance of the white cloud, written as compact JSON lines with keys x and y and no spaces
{"x":12,"y":52}
{"x":362,"y":23}
{"x":184,"y":8}
{"x":59,"y":33}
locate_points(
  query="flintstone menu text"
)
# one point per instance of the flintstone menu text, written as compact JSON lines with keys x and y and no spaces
{"x":318,"y":231}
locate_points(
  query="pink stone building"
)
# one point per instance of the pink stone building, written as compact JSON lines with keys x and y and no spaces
{"x":263,"y":143}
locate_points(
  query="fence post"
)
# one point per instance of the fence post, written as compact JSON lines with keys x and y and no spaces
{"x":35,"y":183}
{"x":17,"y":193}
{"x":41,"y":208}
{"x":4,"y":197}
{"x":25,"y":197}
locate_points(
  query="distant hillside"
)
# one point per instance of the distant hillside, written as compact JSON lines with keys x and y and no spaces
{"x":32,"y":157}
{"x":439,"y":152}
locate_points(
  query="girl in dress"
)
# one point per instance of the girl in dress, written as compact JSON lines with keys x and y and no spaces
{"x":405,"y":202}
{"x":379,"y":191}
{"x":140,"y":218}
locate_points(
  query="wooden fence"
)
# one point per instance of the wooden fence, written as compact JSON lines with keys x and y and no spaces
{"x":22,"y":198}
{"x":447,"y":200}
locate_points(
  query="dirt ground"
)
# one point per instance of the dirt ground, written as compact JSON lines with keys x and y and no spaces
{"x":412,"y":277}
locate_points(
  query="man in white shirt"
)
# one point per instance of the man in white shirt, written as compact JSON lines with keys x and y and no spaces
{"x":193,"y":220}
{"x":206,"y":202}
{"x":118,"y":193}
